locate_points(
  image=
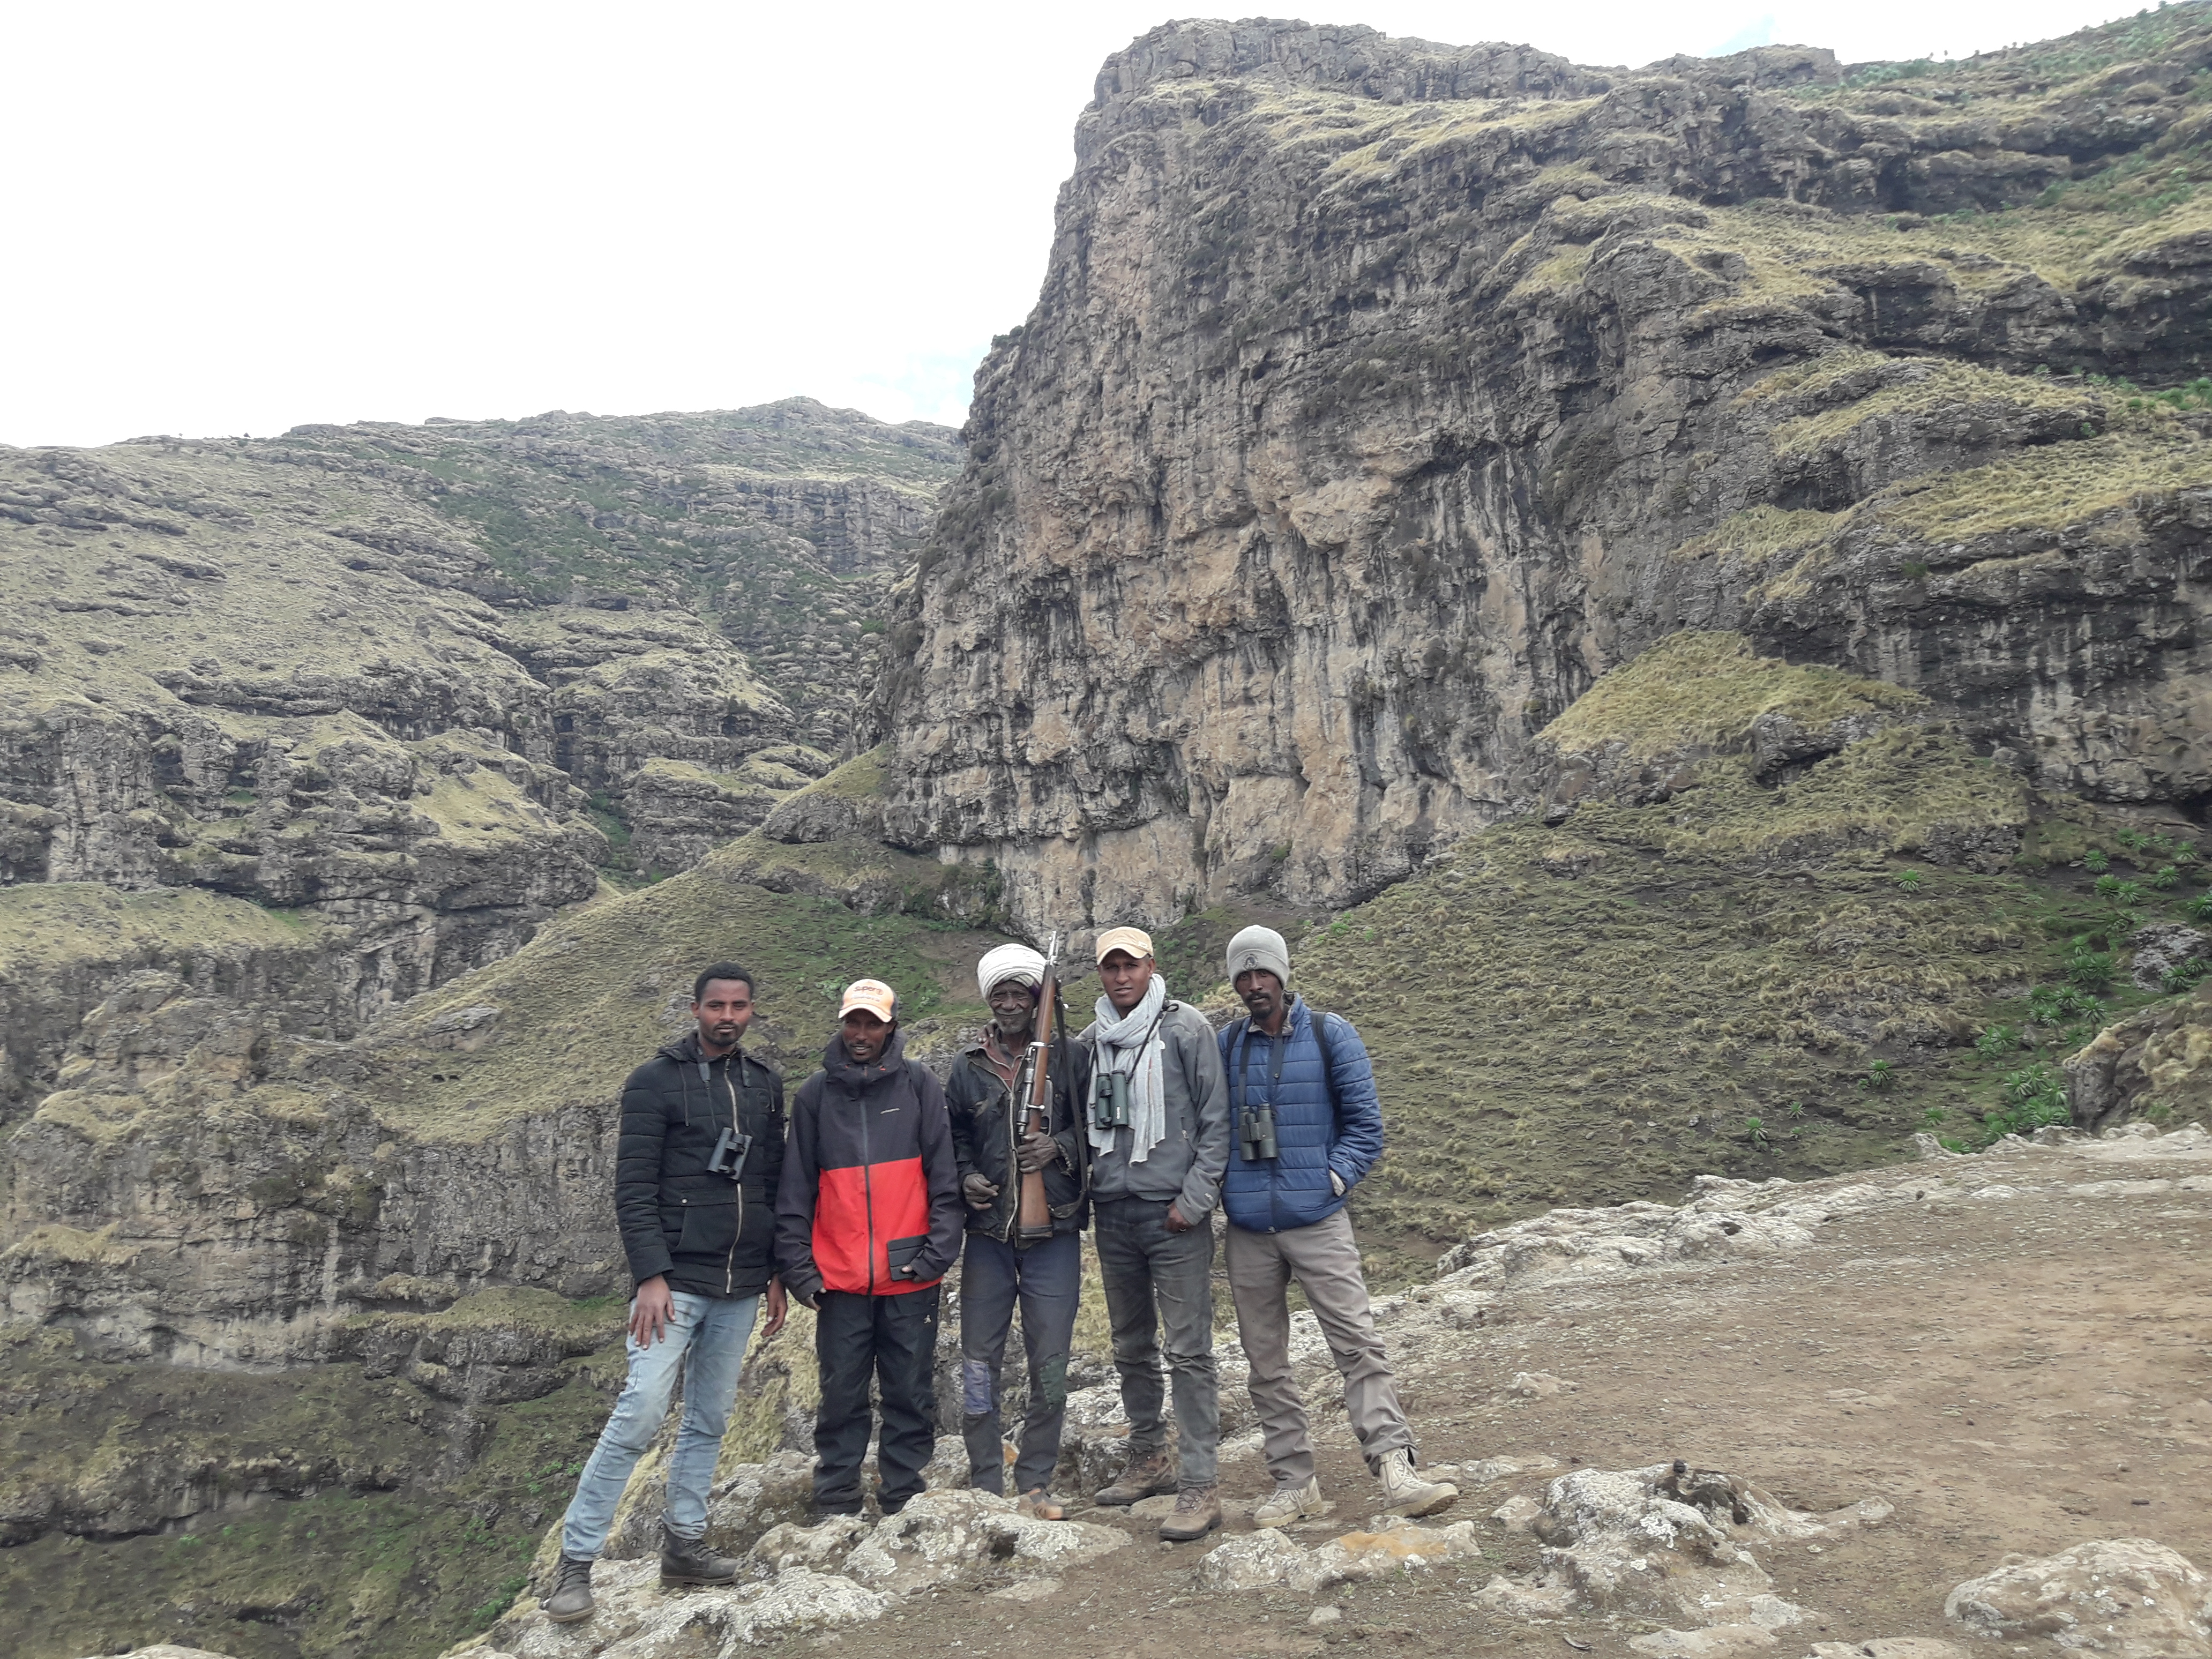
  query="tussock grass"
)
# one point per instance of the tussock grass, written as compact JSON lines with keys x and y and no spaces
{"x":48,"y":927}
{"x":602,"y":986}
{"x":1704,"y":690}
{"x":1760,"y":534}
{"x":1594,"y":1012}
{"x":1951,"y":391}
{"x":2046,"y":488}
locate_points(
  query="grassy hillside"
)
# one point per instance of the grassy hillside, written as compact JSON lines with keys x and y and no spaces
{"x":1746,"y":978}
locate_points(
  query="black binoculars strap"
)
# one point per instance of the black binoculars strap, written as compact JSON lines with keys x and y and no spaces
{"x":1282,"y":1045}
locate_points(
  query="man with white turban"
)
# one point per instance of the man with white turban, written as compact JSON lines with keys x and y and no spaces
{"x":1001,"y":1267}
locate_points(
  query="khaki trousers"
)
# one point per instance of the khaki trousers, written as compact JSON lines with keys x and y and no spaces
{"x":1325,"y":1260}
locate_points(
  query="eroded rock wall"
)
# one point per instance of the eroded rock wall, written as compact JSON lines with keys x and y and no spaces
{"x":1381,"y":395}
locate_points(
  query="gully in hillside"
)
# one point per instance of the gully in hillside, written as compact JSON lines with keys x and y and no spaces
{"x":1308,"y":1127}
{"x":699,"y":1159}
{"x":1158,"y":1129}
{"x":1017,"y":1101}
{"x":868,"y":1221}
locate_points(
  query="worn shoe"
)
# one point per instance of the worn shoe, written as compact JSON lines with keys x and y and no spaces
{"x":689,"y":1561}
{"x":1197,"y":1512}
{"x":1144,"y":1477}
{"x":1288,"y":1503}
{"x":571,"y":1599}
{"x":1405,"y":1492}
{"x":1042,"y":1505}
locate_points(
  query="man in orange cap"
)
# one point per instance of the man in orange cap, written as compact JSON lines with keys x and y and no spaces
{"x":868,"y":1219}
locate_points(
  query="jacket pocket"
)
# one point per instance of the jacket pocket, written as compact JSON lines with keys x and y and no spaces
{"x":901,"y":1252}
{"x":708,"y":1228}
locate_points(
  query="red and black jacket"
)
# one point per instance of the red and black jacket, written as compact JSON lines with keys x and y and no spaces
{"x":870,"y":1182}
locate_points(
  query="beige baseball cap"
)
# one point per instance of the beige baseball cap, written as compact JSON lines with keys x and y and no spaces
{"x":1135,"y":940}
{"x":873,"y":996}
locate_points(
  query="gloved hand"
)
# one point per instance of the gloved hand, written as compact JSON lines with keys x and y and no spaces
{"x":979,"y":1192}
{"x":1036,"y":1152}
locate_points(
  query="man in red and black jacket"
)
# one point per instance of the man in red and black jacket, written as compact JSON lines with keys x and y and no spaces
{"x":867,"y":1220}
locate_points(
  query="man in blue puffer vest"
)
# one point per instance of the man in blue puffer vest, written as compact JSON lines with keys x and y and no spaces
{"x":1304,"y":1128}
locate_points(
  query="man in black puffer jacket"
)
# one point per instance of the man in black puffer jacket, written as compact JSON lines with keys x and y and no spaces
{"x":695,"y":1174}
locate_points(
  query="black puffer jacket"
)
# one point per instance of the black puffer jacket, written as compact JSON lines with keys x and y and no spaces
{"x":984,"y":1138}
{"x":709,"y":1236}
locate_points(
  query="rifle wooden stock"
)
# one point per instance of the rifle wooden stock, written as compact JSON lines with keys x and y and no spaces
{"x":1034,"y":1216}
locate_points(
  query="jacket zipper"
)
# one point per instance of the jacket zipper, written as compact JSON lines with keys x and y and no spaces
{"x":730,"y":1267}
{"x":867,"y":1187}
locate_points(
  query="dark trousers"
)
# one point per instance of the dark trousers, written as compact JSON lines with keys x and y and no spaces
{"x":1156,"y":1278}
{"x":892,"y":1339}
{"x":1046,"y":1278}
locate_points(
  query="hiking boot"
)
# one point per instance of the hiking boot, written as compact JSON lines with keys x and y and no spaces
{"x":1041,"y":1505}
{"x":1197,"y":1512}
{"x":1405,"y":1492}
{"x":1144,"y":1476}
{"x":1288,"y":1503}
{"x":571,"y":1599}
{"x":689,"y":1561}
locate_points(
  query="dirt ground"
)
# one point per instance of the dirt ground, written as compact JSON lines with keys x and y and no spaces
{"x":2014,"y":1374}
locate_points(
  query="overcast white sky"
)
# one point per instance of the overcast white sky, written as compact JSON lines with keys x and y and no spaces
{"x":226,"y":218}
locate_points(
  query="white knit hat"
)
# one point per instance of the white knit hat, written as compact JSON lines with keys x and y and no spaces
{"x":1015,"y":962}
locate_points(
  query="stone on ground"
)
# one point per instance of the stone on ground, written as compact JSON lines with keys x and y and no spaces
{"x":635,"y":1619}
{"x":2128,"y":1597}
{"x":1664,"y":1542}
{"x":1271,"y":1560}
{"x":940,"y":1534}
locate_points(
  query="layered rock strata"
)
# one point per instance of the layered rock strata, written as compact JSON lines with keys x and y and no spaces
{"x":1381,"y":395}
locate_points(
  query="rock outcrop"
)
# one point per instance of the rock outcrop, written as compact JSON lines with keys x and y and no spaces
{"x":2132,"y":1598}
{"x":1382,"y":395}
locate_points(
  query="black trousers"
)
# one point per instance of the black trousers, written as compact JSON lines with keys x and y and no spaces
{"x":892,"y":1339}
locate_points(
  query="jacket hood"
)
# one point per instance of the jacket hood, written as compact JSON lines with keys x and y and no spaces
{"x":845,"y":1071}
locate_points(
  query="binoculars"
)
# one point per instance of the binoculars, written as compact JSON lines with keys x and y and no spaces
{"x":1110,"y":1100}
{"x":729,"y":1155}
{"x":1256,"y":1133}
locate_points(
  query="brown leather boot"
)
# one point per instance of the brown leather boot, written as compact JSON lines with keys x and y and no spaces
{"x":1197,"y":1512}
{"x":1144,"y":1476}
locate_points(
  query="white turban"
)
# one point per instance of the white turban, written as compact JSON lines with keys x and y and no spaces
{"x":1016,"y":962}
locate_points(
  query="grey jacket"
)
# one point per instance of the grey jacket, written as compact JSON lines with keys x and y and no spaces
{"x":1185,"y":1166}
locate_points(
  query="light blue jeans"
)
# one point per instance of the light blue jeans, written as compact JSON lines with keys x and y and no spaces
{"x":706,"y":1336}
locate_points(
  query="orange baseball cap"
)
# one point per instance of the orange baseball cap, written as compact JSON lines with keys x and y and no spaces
{"x":873,"y":996}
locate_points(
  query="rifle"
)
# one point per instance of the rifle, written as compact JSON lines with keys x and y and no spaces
{"x":1033,"y":1214}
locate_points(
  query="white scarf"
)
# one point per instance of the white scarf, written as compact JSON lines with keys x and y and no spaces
{"x":1119,"y":1041}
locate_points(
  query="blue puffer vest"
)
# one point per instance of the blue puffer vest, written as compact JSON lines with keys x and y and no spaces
{"x":1313,"y":1134}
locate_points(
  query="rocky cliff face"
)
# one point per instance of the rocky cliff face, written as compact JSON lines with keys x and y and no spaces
{"x":1381,"y":395}
{"x":411,"y":689}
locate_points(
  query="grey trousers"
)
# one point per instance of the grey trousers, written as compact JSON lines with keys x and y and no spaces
{"x":1324,"y":1259}
{"x":1047,"y":1280}
{"x":1143,"y":1265}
